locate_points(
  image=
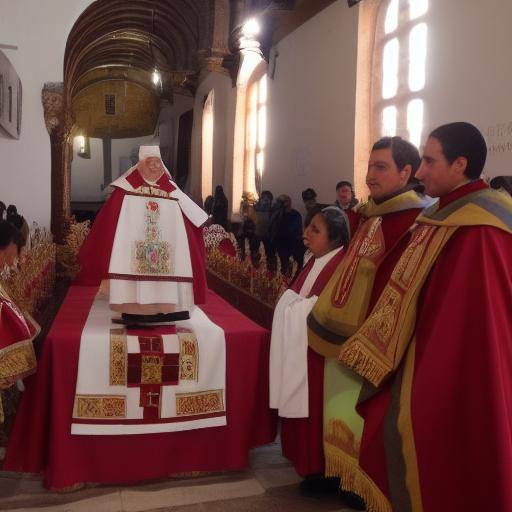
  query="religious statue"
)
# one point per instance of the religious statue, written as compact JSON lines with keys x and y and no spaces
{"x":146,"y":245}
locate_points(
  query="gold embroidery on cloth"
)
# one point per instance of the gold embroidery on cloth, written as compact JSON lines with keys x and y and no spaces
{"x":16,"y":361}
{"x":339,"y":435}
{"x":188,"y":404}
{"x":342,"y":307}
{"x":379,"y":345}
{"x":118,"y":357}
{"x":151,"y":369}
{"x":369,"y":244}
{"x":99,"y":407}
{"x":152,"y":255}
{"x":189,"y":356}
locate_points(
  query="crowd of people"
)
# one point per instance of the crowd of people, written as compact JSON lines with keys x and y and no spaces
{"x":274,"y":222}
{"x":387,"y":350}
{"x":390,"y":359}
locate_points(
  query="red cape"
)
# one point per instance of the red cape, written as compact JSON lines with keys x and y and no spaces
{"x":13,"y":329}
{"x":94,"y":256}
{"x":302,"y":438}
{"x":462,"y":388}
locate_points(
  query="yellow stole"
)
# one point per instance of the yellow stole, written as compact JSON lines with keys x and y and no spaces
{"x":343,"y":304}
{"x":386,"y":339}
{"x":378,"y":347}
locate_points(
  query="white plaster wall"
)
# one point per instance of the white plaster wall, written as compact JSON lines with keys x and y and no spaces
{"x":40,"y":30}
{"x":311,"y":105}
{"x":224,"y":104}
{"x":469,"y":72}
{"x":87,"y":173}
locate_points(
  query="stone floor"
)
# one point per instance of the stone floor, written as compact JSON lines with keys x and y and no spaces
{"x":270,"y":485}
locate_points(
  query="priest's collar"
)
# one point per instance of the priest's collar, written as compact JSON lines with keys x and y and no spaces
{"x":136,"y":180}
{"x":405,"y":199}
{"x":467,"y":188}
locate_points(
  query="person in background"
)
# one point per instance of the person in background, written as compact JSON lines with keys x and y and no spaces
{"x":503,"y":183}
{"x":286,"y":232}
{"x":19,"y":222}
{"x":345,"y":197}
{"x":2,"y":210}
{"x":310,"y":203}
{"x":208,"y":205}
{"x":9,"y":236}
{"x":263,"y":210}
{"x":220,"y":207}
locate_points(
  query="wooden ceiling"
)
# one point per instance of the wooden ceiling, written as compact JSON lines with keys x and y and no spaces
{"x":173,"y":35}
{"x":138,"y":34}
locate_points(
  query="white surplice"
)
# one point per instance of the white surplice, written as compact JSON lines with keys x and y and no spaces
{"x":289,"y":345}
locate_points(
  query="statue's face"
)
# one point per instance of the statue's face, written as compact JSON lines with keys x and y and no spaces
{"x":151,"y":168}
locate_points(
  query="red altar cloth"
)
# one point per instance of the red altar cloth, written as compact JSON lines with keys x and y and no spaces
{"x":41,"y":439}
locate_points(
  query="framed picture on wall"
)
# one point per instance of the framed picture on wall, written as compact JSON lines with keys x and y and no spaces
{"x":10,"y":99}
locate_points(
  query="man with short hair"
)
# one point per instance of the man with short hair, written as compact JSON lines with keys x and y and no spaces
{"x":380,"y":233}
{"x":436,"y":350}
{"x":345,"y":197}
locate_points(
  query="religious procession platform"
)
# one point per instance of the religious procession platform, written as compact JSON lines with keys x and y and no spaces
{"x":41,"y":439}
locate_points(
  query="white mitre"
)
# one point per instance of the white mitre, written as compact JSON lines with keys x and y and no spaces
{"x":149,"y":151}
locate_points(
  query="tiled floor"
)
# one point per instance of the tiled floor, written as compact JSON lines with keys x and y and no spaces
{"x":271,"y":485}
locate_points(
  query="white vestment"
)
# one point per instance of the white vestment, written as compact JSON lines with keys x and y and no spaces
{"x":289,"y":345}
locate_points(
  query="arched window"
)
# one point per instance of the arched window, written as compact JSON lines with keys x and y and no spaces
{"x":399,"y":59}
{"x":255,"y":131}
{"x":207,"y":147}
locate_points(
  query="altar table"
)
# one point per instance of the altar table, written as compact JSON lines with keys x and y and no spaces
{"x":41,"y":439}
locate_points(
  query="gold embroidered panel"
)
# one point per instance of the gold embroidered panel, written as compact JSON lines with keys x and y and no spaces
{"x":153,"y":255}
{"x":189,"y":356}
{"x":151,"y":369}
{"x":118,"y":357}
{"x":99,"y":407}
{"x":16,"y":361}
{"x":204,"y":402}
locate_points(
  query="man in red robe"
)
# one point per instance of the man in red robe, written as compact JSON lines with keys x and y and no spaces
{"x":17,"y":330}
{"x":147,"y":242}
{"x":384,"y":220}
{"x":436,"y":351}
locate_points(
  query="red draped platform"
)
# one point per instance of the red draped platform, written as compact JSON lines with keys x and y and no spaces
{"x":41,"y":439}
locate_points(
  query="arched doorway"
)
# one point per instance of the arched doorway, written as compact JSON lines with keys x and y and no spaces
{"x":122,"y":57}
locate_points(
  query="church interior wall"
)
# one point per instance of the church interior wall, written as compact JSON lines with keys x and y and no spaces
{"x":38,"y":59}
{"x":311,"y":106}
{"x":469,"y":76}
{"x":224,"y":97}
{"x":311,"y":98}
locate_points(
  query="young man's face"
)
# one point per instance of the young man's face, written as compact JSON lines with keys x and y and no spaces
{"x":383,"y":177}
{"x":344,"y":195}
{"x":437,"y":174}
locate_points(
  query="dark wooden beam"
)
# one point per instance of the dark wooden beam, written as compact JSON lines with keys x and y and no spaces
{"x":288,"y":21}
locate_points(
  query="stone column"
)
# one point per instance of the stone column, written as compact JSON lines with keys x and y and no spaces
{"x":58,"y":122}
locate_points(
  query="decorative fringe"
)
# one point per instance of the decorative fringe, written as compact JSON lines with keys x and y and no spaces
{"x":354,"y":479}
{"x":357,"y":357}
